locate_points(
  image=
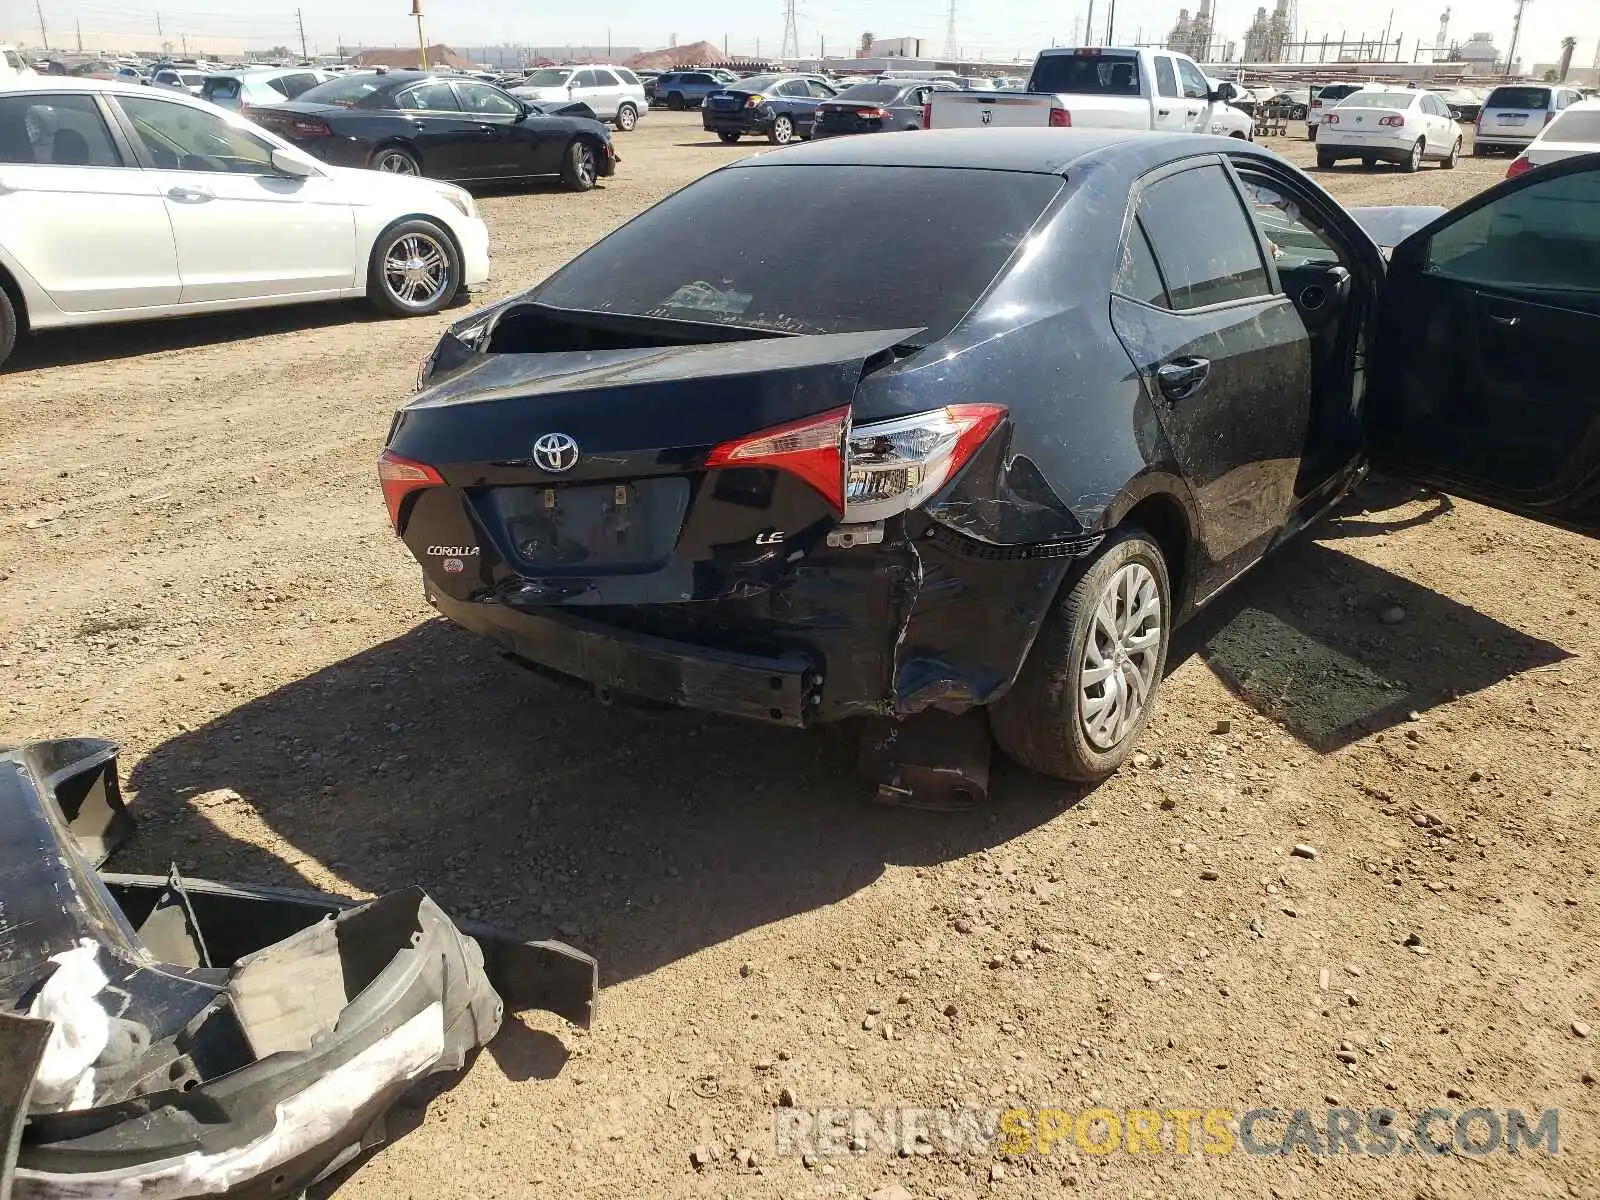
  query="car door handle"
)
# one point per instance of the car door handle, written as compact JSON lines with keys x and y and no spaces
{"x":1193,"y":112}
{"x":189,"y":195}
{"x":488,"y":130}
{"x":1182,"y":377}
{"x":1508,"y":321}
{"x":1163,"y":112}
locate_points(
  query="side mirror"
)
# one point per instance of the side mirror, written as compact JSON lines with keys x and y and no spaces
{"x":292,"y":164}
{"x":1216,"y":95}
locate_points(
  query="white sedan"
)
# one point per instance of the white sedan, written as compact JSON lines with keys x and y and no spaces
{"x":1388,"y":124}
{"x":1576,"y":131}
{"x":121,"y":203}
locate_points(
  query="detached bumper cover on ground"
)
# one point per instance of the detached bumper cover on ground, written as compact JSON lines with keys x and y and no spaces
{"x":242,"y":1041}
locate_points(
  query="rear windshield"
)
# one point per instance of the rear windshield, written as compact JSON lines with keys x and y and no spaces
{"x":1337,"y":91}
{"x":871,"y":93}
{"x":740,"y":247}
{"x":1519,"y":97}
{"x":226,"y":88}
{"x":1400,"y":100}
{"x":756,"y":83}
{"x":1572,"y":126}
{"x":546,"y":79}
{"x":346,"y":90}
{"x":1093,"y":75}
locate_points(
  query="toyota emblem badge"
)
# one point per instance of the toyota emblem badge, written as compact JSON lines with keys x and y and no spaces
{"x":555,"y":452}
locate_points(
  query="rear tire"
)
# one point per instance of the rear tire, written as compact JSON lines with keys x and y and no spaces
{"x":580,"y":169}
{"x":1324,"y":161}
{"x":728,"y":139}
{"x":395,"y":160}
{"x":1449,"y":164}
{"x":627,"y":118}
{"x":1414,"y":163}
{"x":675,"y":101}
{"x":8,"y":327}
{"x":1057,"y":722}
{"x":414,"y":269}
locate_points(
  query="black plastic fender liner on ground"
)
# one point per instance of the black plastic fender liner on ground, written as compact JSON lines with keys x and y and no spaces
{"x":254,"y":1038}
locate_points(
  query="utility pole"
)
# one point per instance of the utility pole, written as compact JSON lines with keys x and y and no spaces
{"x":78,"y":27}
{"x":1516,"y":36}
{"x":1111,"y":23}
{"x":158,"y":26}
{"x":422,"y":42}
{"x":950,"y":31}
{"x":1088,"y":24}
{"x":44,"y":36}
{"x":608,"y":43}
{"x":301,"y":21}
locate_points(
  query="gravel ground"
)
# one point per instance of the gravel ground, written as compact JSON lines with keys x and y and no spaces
{"x":194,"y":561}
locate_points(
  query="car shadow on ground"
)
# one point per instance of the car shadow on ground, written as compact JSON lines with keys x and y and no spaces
{"x":104,"y":343}
{"x":1335,"y":648}
{"x":644,"y":835}
{"x":640,"y":835}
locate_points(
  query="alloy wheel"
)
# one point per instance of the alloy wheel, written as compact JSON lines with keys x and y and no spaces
{"x":397,"y":162}
{"x":782,"y":130}
{"x":626,"y":118}
{"x":584,"y":164}
{"x":1117,"y":677}
{"x":416,"y":270}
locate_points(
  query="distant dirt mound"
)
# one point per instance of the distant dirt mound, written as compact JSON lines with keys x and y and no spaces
{"x":696,"y":54}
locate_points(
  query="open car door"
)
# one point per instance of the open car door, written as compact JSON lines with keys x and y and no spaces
{"x":1486,"y":363}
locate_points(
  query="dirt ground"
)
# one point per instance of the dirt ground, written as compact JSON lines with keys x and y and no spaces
{"x":194,"y":561}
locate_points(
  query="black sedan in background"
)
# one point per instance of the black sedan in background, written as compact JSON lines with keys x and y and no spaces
{"x":873,"y":108}
{"x":444,"y":127}
{"x":777,"y":107}
{"x":976,"y":418}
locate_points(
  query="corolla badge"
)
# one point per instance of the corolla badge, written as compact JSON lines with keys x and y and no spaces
{"x":555,"y":452}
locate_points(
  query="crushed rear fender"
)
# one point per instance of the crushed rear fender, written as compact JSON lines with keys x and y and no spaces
{"x":250,"y":1040}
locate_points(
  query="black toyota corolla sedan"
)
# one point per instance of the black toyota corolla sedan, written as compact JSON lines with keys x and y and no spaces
{"x":445,"y":127}
{"x":975,"y":418}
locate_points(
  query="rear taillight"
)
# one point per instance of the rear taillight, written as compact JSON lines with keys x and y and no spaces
{"x":1331,"y":119}
{"x":1519,"y":166}
{"x":927,"y":115}
{"x":892,"y":466}
{"x":400,"y":477}
{"x":1060,"y":118}
{"x":1393,"y":122}
{"x":1548,"y":117}
{"x":299,"y":127}
{"x":752,"y":101}
{"x":871,"y":114}
{"x":1316,"y":104}
{"x":811,"y":450}
{"x":1478,"y":124}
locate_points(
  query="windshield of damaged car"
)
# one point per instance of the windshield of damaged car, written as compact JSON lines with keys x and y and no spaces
{"x":812,"y":249}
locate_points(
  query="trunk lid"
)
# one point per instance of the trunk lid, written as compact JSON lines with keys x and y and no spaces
{"x":847,"y":117}
{"x":580,"y":476}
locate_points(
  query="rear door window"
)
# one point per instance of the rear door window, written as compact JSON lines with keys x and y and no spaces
{"x":61,"y":130}
{"x":428,"y":97}
{"x":739,"y":247}
{"x":1138,"y":277}
{"x":1203,"y":240}
{"x":585,"y":79}
{"x":1166,"y":77}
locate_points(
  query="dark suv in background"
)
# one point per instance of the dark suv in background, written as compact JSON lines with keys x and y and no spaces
{"x":1324,"y":98}
{"x":686,"y":89}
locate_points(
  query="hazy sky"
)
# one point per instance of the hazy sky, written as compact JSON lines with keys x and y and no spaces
{"x":997,"y":28}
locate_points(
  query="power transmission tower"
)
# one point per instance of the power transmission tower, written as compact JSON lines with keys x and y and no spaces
{"x":950,"y":32}
{"x":1516,"y":35}
{"x":791,"y":32}
{"x":301,"y":21}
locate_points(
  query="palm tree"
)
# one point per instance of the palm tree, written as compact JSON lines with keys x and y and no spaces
{"x":1568,"y":45}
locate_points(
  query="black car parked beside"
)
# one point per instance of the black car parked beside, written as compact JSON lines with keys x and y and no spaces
{"x":1046,"y":393}
{"x":444,"y":127}
{"x":873,"y":108}
{"x":777,"y":107}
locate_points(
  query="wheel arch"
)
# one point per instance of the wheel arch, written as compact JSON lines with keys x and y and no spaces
{"x":432,"y":219}
{"x":1161,"y":505}
{"x":402,"y":143}
{"x":19,"y":301}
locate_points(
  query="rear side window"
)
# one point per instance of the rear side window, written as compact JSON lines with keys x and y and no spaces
{"x":605,"y":78}
{"x":279,"y":85}
{"x":428,"y":97}
{"x":1166,"y":78}
{"x":62,"y":131}
{"x":739,"y":247}
{"x":1203,"y":240}
{"x":1138,"y":277}
{"x":1087,"y":75}
{"x":294,"y":85}
{"x":1531,"y":98}
{"x":628,"y":77}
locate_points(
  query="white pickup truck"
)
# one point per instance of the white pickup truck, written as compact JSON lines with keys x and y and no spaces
{"x":1099,"y":88}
